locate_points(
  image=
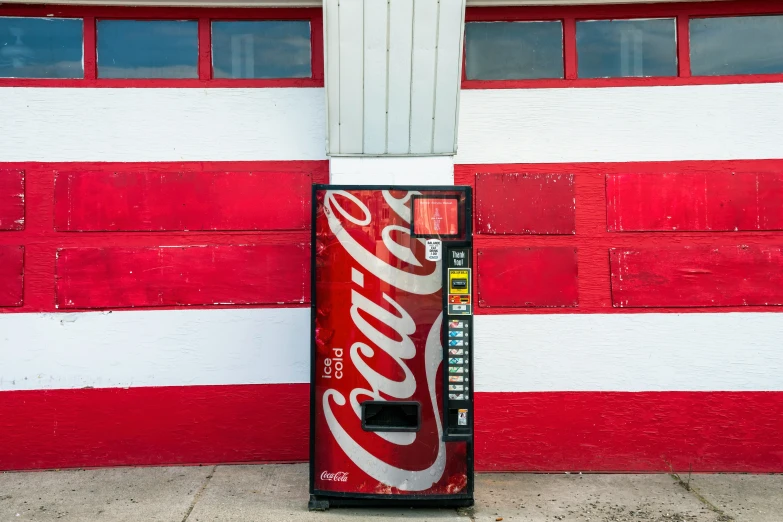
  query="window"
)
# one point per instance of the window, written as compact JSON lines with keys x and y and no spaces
{"x":679,"y":43}
{"x":40,"y":47}
{"x":513,"y":50}
{"x":105,"y":46}
{"x":622,"y":48}
{"x":737,"y":45}
{"x":268,"y":49}
{"x":147,"y":49}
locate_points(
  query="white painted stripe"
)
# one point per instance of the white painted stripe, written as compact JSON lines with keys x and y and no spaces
{"x":514,"y":353}
{"x":421,"y":170}
{"x":629,"y":352}
{"x":703,"y":122}
{"x":154,"y":348}
{"x":84,"y":124}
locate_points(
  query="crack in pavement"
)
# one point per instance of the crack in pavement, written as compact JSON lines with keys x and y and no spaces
{"x":722,"y":515}
{"x":199,"y":493}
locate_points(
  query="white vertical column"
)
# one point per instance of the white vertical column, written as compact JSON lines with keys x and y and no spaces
{"x":376,"y":18}
{"x":398,"y":128}
{"x":393,"y":72}
{"x":351,"y":70}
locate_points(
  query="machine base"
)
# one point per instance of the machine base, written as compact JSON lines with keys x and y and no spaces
{"x":317,"y":504}
{"x":323,"y":503}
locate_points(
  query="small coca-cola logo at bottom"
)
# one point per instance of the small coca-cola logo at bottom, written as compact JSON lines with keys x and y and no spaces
{"x":340,"y":476}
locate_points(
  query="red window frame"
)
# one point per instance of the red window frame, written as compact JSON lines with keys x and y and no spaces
{"x":204,"y":16}
{"x":568,"y":15}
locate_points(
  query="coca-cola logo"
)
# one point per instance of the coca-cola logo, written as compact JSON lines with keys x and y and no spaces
{"x":340,"y":476}
{"x":400,"y":347}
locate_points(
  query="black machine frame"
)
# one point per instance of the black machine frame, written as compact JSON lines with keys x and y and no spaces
{"x":322,"y":500}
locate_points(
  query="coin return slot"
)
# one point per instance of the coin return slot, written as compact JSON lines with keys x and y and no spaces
{"x":391,"y":416}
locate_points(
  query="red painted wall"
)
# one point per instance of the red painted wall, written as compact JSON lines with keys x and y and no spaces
{"x":100,"y":235}
{"x":721,"y":246}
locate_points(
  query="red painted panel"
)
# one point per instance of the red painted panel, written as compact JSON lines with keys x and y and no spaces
{"x":696,"y":201}
{"x":11,"y":275}
{"x":650,"y":431}
{"x":552,"y":431}
{"x":192,"y":201}
{"x":196,"y":275}
{"x":525,"y":204}
{"x":525,"y":276}
{"x":594,"y":240}
{"x":697,"y":276}
{"x":162,"y":425}
{"x":11,"y":199}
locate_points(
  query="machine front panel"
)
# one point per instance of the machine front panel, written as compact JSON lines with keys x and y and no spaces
{"x":378,"y":372}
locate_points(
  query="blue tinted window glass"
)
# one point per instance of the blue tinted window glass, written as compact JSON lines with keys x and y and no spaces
{"x":268,"y":49}
{"x":41,"y":48}
{"x":147,"y":49}
{"x":737,"y":45}
{"x":513,"y":50}
{"x":623,"y":48}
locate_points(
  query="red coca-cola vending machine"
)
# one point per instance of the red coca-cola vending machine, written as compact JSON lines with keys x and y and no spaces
{"x":391,"y":390}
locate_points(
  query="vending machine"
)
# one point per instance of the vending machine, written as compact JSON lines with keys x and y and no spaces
{"x":391,"y":390}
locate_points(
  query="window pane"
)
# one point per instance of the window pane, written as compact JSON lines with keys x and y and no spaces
{"x":740,"y":45}
{"x":513,"y":50}
{"x":622,"y":48}
{"x":147,"y":49}
{"x":41,"y":48}
{"x":269,"y":49}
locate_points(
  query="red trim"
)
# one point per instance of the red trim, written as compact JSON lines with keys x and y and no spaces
{"x":594,"y":241}
{"x":203,"y":15}
{"x":683,"y":46}
{"x":553,"y":431}
{"x":41,"y":241}
{"x":571,"y":59}
{"x":90,"y":49}
{"x":153,"y":426}
{"x":647,"y":432}
{"x":204,"y":49}
{"x":317,"y":46}
{"x":620,"y":82}
{"x":569,"y":14}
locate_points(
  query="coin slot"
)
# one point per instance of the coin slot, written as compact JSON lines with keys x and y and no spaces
{"x":391,"y":416}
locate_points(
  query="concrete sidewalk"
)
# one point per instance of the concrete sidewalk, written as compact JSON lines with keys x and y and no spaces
{"x":279,"y":493}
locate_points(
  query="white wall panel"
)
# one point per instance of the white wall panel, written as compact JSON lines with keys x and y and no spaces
{"x":700,"y":122}
{"x":427,"y":170}
{"x":629,"y":352}
{"x":514,"y":353}
{"x":154,"y":348}
{"x":83,"y":124}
